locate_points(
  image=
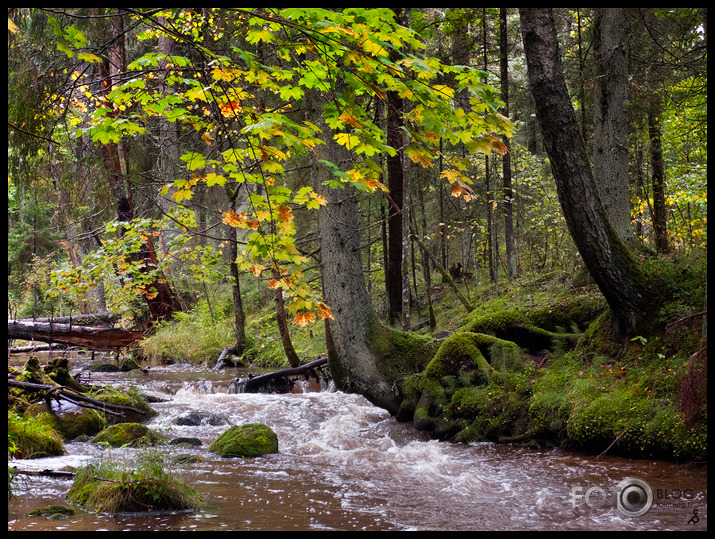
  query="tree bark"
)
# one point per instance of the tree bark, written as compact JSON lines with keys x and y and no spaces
{"x":282,"y":322}
{"x":610,"y":118}
{"x":238,"y":314}
{"x":607,"y":258}
{"x":508,"y":194}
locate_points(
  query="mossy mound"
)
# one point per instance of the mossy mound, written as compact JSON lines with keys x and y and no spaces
{"x":554,"y":327}
{"x":32,"y":437}
{"x":246,"y":441}
{"x":72,"y":423}
{"x":53,"y":512}
{"x":131,"y":434}
{"x":132,"y":398}
{"x":111,"y":488}
{"x":464,"y":360}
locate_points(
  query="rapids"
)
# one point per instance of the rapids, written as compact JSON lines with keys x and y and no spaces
{"x":344,"y":464}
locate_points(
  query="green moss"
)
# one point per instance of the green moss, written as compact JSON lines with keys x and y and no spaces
{"x":131,"y":398}
{"x":53,"y":512}
{"x":246,"y":441}
{"x":72,"y":424}
{"x":128,"y":434}
{"x":32,"y":437}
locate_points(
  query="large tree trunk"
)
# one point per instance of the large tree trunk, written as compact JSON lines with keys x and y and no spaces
{"x":607,"y":258}
{"x":610,"y":118}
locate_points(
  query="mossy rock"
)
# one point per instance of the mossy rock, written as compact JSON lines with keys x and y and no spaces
{"x":32,"y":372}
{"x":53,"y":512}
{"x":71,"y":424}
{"x":131,"y":434}
{"x":246,"y":441}
{"x":131,"y":398}
{"x":459,"y":353}
{"x":58,"y":371}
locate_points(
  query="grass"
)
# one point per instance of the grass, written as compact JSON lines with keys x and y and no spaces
{"x":110,"y":487}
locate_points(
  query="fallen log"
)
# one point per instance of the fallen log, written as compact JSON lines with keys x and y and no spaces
{"x":255,"y":384}
{"x":97,"y":319}
{"x":68,"y":394}
{"x":96,"y":338}
{"x":62,"y":474}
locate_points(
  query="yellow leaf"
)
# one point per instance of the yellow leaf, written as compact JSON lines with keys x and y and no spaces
{"x":152,"y":294}
{"x":419,"y":156}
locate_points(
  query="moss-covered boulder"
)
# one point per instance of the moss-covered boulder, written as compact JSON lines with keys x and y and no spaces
{"x":131,"y":434}
{"x":246,"y":441}
{"x":69,"y":421}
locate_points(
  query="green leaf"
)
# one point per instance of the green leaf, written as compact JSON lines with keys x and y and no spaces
{"x":193,"y":160}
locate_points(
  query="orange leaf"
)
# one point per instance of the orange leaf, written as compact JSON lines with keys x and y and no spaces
{"x":273,"y":283}
{"x":304,"y":318}
{"x":285,"y":214}
{"x":325,"y":312}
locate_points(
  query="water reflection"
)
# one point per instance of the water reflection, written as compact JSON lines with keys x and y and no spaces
{"x":345,"y":465}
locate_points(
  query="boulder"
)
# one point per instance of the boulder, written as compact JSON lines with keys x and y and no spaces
{"x":246,"y":441}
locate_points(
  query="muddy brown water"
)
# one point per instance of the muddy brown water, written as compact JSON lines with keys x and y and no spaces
{"x":344,"y":464}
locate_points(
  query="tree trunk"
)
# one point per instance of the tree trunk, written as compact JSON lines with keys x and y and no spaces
{"x":660,"y":217}
{"x":164,"y":304}
{"x":394,"y":216}
{"x":282,"y":322}
{"x":508,"y":194}
{"x":607,"y":258}
{"x":239,"y":316}
{"x":610,"y":118}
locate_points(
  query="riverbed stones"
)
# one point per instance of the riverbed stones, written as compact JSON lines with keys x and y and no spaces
{"x":246,"y":441}
{"x":194,"y":419}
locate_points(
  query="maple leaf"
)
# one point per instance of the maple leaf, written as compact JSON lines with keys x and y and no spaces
{"x":256,"y":270}
{"x":304,"y":318}
{"x":325,"y":312}
{"x":285,"y":214}
{"x":232,"y":219}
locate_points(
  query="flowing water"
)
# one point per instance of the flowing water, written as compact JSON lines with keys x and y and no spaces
{"x":344,"y":464}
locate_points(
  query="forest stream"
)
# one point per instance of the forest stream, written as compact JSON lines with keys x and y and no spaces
{"x":344,"y":464}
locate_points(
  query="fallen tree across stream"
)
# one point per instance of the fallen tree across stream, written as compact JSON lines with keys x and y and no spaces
{"x":93,"y":337}
{"x":279,"y":381}
{"x":74,"y":397}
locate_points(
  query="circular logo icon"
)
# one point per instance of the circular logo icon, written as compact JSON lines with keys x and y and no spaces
{"x":635,"y":497}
